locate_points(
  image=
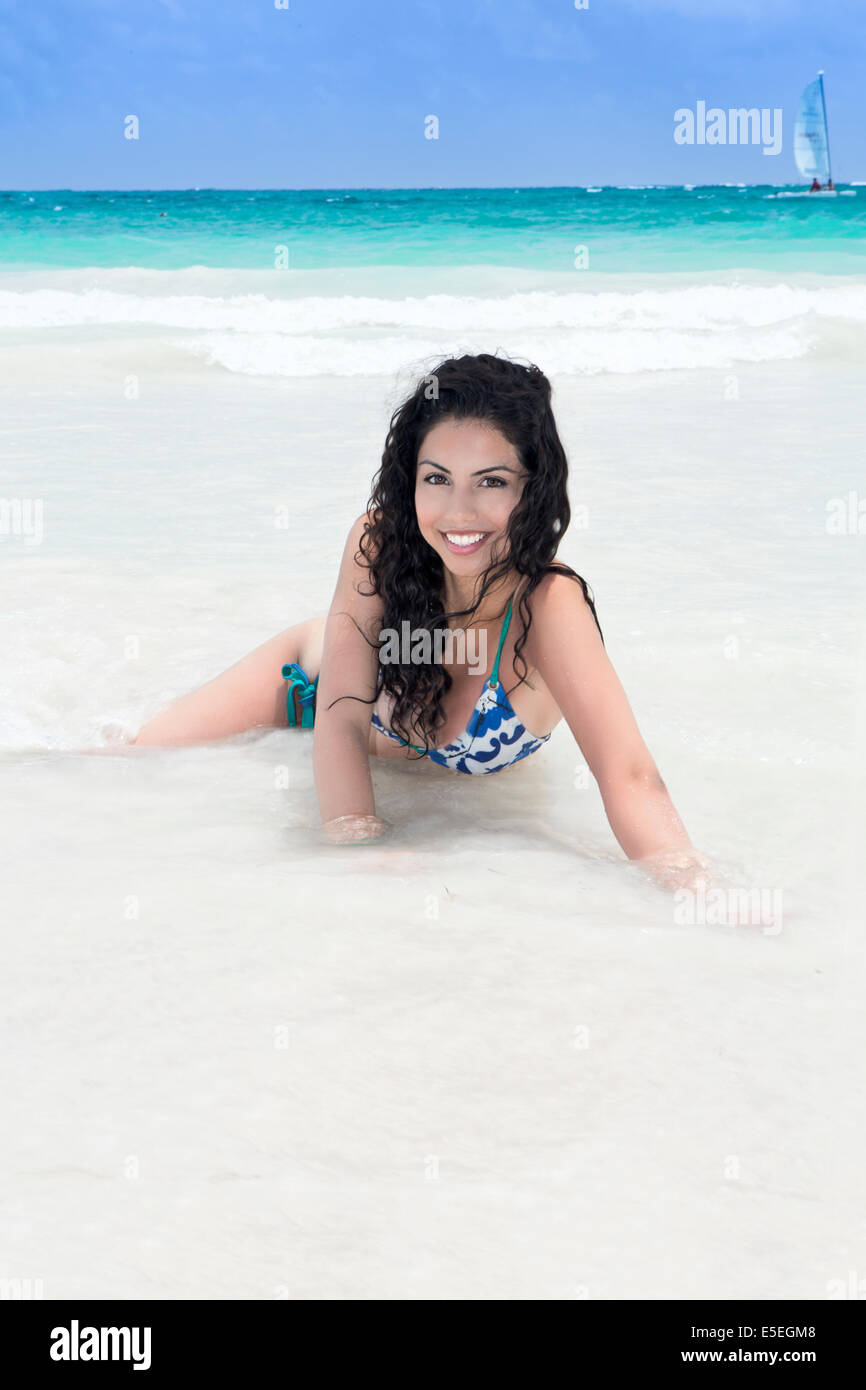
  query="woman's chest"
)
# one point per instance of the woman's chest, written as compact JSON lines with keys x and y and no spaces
{"x":469,"y":698}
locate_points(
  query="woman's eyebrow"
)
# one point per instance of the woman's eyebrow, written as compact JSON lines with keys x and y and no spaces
{"x":491,"y":468}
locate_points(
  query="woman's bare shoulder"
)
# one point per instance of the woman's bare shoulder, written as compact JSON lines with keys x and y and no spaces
{"x":356,"y":594}
{"x":558,"y":592}
{"x":362,"y":537}
{"x":562,"y":613}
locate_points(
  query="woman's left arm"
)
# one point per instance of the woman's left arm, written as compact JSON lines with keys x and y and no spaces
{"x":566,"y":647}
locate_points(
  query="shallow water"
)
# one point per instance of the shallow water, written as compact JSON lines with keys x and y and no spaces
{"x":482,"y":1059}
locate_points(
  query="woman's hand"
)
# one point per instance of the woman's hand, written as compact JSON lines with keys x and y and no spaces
{"x":676,"y":869}
{"x":354,"y":830}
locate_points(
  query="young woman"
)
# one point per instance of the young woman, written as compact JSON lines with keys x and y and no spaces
{"x":458,"y":542}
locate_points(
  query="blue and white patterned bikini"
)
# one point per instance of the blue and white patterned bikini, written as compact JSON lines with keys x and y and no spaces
{"x":494,"y":737}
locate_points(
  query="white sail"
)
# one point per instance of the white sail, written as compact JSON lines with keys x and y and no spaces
{"x":811,"y":145}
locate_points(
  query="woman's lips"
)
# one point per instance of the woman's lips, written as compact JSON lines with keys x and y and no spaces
{"x":465,"y":549}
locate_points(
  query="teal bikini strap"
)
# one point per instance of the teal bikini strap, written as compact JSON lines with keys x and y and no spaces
{"x":494,"y":674}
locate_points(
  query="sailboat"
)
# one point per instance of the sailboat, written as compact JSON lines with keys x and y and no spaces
{"x":812,"y":142}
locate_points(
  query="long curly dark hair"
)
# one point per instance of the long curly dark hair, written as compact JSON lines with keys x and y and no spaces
{"x":407,"y":573}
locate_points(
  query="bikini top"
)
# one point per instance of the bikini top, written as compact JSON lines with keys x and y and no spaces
{"x":494,"y":737}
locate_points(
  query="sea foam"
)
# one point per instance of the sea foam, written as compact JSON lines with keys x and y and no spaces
{"x":575,"y":332}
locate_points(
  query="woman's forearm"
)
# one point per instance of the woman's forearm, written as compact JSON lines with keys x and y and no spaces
{"x":341,"y":768}
{"x":646,"y":824}
{"x":642,"y":816}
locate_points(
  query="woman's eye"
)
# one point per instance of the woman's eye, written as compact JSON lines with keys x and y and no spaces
{"x":490,"y":478}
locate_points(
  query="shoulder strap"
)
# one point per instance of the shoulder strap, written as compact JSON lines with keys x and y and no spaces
{"x":494,"y":674}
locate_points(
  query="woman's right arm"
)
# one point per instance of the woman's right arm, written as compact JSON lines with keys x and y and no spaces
{"x":341,"y":732}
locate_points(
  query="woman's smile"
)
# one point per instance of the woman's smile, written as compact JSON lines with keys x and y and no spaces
{"x":465,"y":542}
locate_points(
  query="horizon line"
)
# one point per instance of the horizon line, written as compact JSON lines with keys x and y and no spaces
{"x":429,"y":188}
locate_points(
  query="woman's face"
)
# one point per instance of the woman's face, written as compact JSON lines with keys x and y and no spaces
{"x":468,"y":481}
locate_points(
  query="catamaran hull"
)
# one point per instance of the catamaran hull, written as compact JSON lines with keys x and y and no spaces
{"x":825,"y":193}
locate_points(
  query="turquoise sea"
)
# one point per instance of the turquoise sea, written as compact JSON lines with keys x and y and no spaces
{"x":341,"y":282}
{"x":624,"y":230}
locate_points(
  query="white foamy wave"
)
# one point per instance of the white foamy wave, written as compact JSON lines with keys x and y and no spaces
{"x":692,"y":307}
{"x":602,"y":330}
{"x":569,"y":353}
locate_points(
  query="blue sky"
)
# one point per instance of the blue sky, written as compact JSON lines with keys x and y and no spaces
{"x":334,"y":93}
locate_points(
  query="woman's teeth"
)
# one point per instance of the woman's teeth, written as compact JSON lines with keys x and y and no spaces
{"x":456,"y":539}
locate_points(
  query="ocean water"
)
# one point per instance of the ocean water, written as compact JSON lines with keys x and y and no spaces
{"x":484,"y":1058}
{"x":338,"y":283}
{"x":635,"y":230}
